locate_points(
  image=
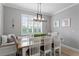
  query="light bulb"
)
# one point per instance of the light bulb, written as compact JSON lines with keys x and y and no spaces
{"x":35,"y":17}
{"x":42,"y":18}
{"x":39,"y":18}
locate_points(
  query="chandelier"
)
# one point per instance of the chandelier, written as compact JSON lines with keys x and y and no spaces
{"x":39,"y":16}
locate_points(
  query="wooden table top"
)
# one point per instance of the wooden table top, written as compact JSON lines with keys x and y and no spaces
{"x":26,"y":43}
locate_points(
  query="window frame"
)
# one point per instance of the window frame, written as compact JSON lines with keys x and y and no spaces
{"x":32,"y":25}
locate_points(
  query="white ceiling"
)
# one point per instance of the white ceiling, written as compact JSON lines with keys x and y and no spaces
{"x":48,"y":8}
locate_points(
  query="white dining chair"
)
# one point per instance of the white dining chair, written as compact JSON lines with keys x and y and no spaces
{"x":52,"y":42}
{"x":57,"y":44}
{"x":35,"y":46}
{"x":27,"y":50}
{"x":47,"y":46}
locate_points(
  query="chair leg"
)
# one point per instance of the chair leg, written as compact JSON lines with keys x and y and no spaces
{"x":19,"y":52}
{"x":51,"y":53}
{"x":59,"y":51}
{"x":54,"y":53}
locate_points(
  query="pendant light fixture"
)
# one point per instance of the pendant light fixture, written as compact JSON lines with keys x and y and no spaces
{"x":39,"y":16}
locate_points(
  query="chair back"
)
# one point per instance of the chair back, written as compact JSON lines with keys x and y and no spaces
{"x":35,"y":47}
{"x":47,"y":45}
{"x":57,"y":41}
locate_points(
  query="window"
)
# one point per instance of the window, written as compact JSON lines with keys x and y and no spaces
{"x":29,"y":26}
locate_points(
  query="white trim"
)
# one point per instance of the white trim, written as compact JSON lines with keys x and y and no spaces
{"x":77,"y":50}
{"x":66,"y":8}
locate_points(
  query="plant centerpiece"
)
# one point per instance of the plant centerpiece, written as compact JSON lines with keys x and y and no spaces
{"x":39,"y":34}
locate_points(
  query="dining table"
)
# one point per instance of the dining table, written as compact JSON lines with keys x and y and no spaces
{"x":25,"y":43}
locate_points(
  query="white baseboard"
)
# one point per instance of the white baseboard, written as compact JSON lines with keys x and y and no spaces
{"x":77,"y":50}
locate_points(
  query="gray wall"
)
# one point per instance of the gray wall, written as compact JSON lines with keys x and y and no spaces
{"x":12,"y":13}
{"x":70,"y":35}
{"x":1,"y":19}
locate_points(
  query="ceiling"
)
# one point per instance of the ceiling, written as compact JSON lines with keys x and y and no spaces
{"x":47,"y":8}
